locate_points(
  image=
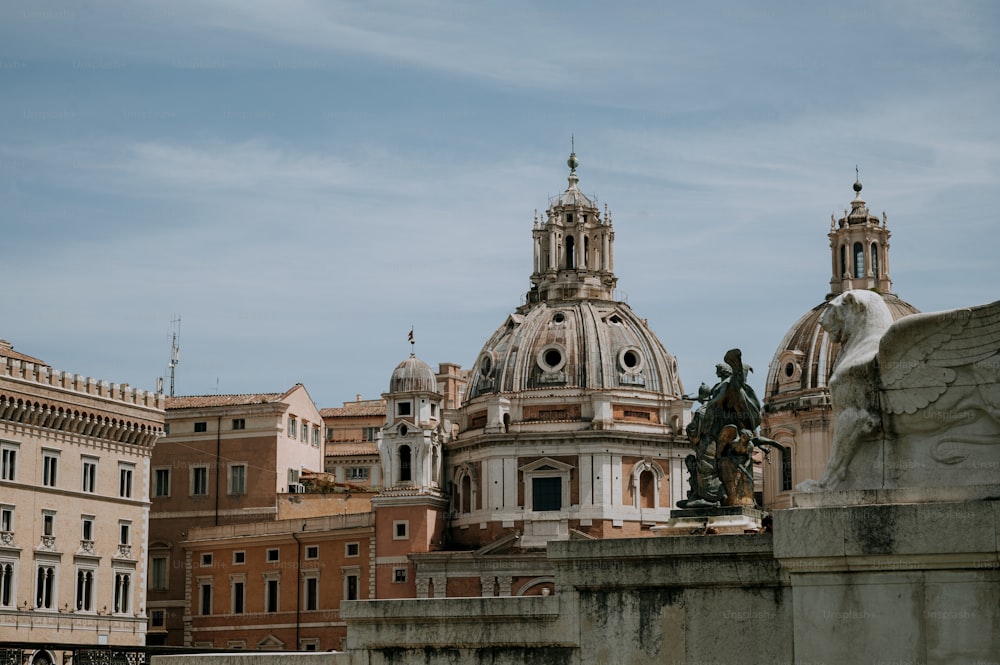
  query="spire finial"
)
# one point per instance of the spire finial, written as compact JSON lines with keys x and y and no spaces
{"x":857,"y":180}
{"x":572,"y":162}
{"x":412,"y":342}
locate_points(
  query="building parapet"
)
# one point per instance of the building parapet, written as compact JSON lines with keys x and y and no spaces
{"x":46,"y":376}
{"x":282,"y":527}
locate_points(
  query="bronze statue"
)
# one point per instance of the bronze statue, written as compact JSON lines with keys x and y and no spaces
{"x":724,"y":435}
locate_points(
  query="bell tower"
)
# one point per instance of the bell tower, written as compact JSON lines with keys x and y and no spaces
{"x":573,"y":248}
{"x":859,"y":246}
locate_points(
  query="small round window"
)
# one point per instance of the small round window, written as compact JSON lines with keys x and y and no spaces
{"x":630,"y":359}
{"x":551,"y":358}
{"x":789,"y":369}
{"x":558,"y":317}
{"x":403,"y":430}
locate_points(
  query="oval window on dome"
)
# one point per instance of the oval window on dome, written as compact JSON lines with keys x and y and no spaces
{"x":789,"y":369}
{"x":486,"y":365}
{"x":551,"y":358}
{"x":558,"y":317}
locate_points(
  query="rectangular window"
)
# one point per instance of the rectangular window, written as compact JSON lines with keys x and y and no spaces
{"x":50,"y":466}
{"x":305,"y":432}
{"x":272,"y":555}
{"x":400,"y":530}
{"x":199,"y":481}
{"x":786,"y":469}
{"x":352,"y":549}
{"x":403,"y":409}
{"x":161,"y":480}
{"x":87,"y":528}
{"x":206,"y":559}
{"x":399,"y":575}
{"x":237,"y":479}
{"x":271,"y":596}
{"x":239,"y":423}
{"x":239,"y":557}
{"x":546,"y":494}
{"x":315,"y":441}
{"x":158,"y":573}
{"x":312,"y":552}
{"x":310,"y":593}
{"x":8,"y":462}
{"x":45,"y":582}
{"x":201,"y":427}
{"x":205,"y":596}
{"x":357,"y":473}
{"x":124,"y":532}
{"x":48,"y":523}
{"x":157,"y":618}
{"x":351,"y":587}
{"x":7,"y":519}
{"x":239,"y":597}
{"x":85,"y":589}
{"x":89,"y":474}
{"x":123,"y":593}
{"x":293,"y":426}
{"x":329,"y":434}
{"x":370,"y":434}
{"x":125,"y":474}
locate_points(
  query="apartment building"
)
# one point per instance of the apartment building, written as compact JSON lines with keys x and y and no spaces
{"x":226,"y":459}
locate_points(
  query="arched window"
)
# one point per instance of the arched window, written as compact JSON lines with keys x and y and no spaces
{"x":466,"y":506}
{"x":843,"y":260}
{"x":875,"y":260}
{"x":586,"y":252}
{"x":404,"y":464}
{"x":859,"y":260}
{"x":786,"y":469}
{"x":570,"y":253}
{"x":647,"y":489}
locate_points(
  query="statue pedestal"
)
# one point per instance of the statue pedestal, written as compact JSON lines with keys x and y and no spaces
{"x":706,"y":521}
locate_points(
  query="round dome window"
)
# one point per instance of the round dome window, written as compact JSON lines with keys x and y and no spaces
{"x":551,"y":358}
{"x":630,"y":359}
{"x":789,"y":369}
{"x":559,"y":317}
{"x":486,"y":365}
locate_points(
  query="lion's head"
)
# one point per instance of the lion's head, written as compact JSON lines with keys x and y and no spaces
{"x":855,"y":312}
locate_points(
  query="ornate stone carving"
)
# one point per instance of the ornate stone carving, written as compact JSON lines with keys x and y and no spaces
{"x":916,"y":402}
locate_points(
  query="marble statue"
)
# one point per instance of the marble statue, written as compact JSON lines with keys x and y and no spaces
{"x":723,"y":433}
{"x":915,"y":402}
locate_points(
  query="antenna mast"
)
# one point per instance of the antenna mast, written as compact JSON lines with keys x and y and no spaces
{"x":175,"y":350}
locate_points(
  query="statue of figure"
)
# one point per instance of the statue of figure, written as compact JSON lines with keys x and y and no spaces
{"x":724,"y":434}
{"x":915,"y":398}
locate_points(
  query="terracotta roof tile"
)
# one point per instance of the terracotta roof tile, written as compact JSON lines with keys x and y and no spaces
{"x":355,"y":410}
{"x":201,"y":401}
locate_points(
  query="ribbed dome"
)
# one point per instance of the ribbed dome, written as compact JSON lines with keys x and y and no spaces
{"x":804,"y":359}
{"x":596,"y":345}
{"x":413,"y":375}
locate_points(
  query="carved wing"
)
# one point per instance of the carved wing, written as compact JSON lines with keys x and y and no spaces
{"x":918,"y":353}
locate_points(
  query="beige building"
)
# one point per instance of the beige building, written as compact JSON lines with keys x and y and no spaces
{"x":797,"y":411}
{"x":226,"y":459}
{"x":73,"y":504}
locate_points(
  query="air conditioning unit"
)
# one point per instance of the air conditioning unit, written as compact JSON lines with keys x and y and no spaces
{"x":296,"y":488}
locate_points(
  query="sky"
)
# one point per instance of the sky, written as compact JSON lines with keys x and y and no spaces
{"x":300,"y":183}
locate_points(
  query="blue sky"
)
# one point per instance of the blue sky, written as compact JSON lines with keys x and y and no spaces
{"x":301,"y":182}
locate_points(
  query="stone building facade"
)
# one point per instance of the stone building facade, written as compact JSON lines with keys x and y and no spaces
{"x":797,"y":410}
{"x":74,"y":504}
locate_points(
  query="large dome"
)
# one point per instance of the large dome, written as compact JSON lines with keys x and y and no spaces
{"x":804,"y":359}
{"x":593,"y":345}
